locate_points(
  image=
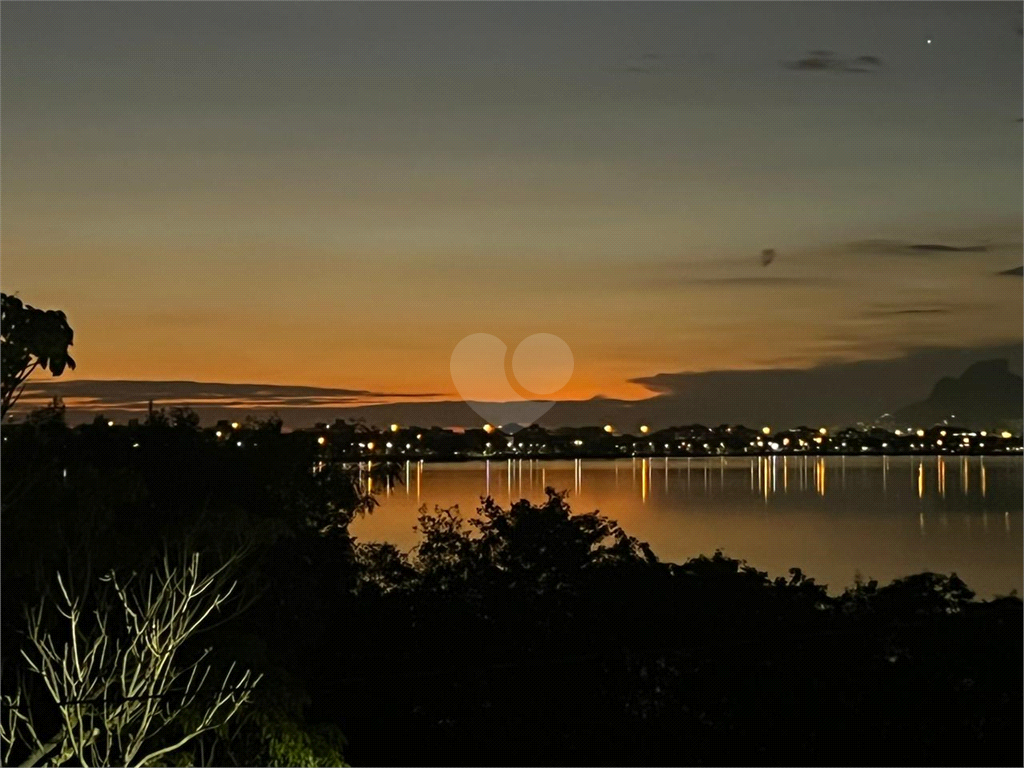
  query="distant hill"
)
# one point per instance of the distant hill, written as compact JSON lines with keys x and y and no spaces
{"x":987,"y":394}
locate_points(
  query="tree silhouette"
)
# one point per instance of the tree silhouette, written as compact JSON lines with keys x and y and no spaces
{"x":31,"y":338}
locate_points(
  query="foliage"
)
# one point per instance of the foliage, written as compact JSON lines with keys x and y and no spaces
{"x":530,"y":635}
{"x":107,"y":498}
{"x":271,"y":731}
{"x":31,"y":338}
{"x":541,"y":547}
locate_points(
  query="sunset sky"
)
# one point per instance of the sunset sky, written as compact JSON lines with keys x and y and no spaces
{"x":334,"y":195}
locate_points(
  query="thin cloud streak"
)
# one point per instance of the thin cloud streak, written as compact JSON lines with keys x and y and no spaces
{"x":97,"y":394}
{"x":829,"y":61}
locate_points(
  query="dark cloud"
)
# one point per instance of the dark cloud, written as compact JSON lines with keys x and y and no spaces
{"x":829,"y":61}
{"x":840,"y":393}
{"x":940,"y":248}
{"x":768,"y":256}
{"x":902,"y":248}
{"x":1013,"y":272}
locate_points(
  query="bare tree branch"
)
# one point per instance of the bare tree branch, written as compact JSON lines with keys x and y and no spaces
{"x":117,"y":697}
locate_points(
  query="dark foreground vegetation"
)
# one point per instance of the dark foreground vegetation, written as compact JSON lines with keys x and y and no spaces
{"x":527,"y":635}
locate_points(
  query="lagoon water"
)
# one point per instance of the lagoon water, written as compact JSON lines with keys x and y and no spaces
{"x":880,"y":517}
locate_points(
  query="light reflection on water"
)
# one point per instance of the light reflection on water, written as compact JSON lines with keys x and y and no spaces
{"x":882,"y":517}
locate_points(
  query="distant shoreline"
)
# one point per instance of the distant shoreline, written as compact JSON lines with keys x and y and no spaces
{"x":462,"y":459}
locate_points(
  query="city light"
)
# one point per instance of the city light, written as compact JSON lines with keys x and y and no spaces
{"x":822,"y":431}
{"x":705,"y":441}
{"x":644,"y":429}
{"x":234,"y":425}
{"x":1005,"y":435}
{"x":110,"y":423}
{"x":394,"y":427}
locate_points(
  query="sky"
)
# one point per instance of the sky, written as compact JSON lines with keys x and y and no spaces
{"x":333,"y":195}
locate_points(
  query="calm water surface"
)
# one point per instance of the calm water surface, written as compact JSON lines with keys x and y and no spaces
{"x":836,"y":517}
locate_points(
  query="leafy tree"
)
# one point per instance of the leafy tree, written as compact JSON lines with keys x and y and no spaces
{"x":31,"y":338}
{"x":184,"y":418}
{"x":538,"y":547}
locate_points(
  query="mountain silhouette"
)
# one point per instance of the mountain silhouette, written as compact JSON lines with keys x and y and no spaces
{"x":986,"y":394}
